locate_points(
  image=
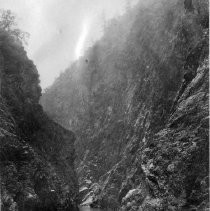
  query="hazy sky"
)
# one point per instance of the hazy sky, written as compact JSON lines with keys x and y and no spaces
{"x":60,"y":30}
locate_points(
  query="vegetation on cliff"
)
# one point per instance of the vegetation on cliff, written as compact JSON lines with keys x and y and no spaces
{"x":138,"y":104}
{"x":36,"y":154}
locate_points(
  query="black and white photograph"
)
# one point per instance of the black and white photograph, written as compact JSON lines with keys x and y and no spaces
{"x":104,"y":105}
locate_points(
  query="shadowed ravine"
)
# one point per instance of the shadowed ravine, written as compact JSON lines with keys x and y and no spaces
{"x":125,"y":127}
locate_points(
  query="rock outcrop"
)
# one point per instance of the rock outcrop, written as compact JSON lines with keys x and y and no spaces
{"x":138,"y":103}
{"x":169,"y":169}
{"x":36,"y":154}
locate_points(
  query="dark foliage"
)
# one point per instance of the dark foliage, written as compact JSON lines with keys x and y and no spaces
{"x":36,"y":154}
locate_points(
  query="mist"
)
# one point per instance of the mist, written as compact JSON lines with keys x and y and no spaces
{"x":60,"y":31}
{"x":122,"y":119}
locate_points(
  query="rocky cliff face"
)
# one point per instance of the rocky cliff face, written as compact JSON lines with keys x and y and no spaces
{"x":37,"y":155}
{"x":167,"y":169}
{"x":139,"y":107}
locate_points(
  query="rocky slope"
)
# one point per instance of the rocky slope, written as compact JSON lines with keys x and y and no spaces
{"x":168,"y":169}
{"x":36,"y":154}
{"x":138,"y":103}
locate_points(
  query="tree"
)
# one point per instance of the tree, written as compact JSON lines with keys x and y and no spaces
{"x":127,"y":6}
{"x":1,"y":68}
{"x":7,"y":20}
{"x":103,"y":20}
{"x":188,"y":5}
{"x":8,"y":23}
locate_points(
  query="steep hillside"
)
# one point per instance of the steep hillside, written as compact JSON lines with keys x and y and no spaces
{"x":37,"y":155}
{"x":138,"y":104}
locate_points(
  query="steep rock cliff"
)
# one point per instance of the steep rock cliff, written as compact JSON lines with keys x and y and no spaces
{"x":138,"y":103}
{"x":37,"y":155}
{"x":168,"y":169}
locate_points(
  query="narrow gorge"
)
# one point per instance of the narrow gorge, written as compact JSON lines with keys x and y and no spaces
{"x":125,"y":127}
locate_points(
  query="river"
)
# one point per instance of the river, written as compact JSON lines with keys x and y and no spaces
{"x":86,"y":208}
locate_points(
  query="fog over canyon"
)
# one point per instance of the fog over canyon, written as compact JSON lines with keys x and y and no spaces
{"x":104,"y":105}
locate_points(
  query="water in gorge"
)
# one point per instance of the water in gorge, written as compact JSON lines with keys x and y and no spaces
{"x":87,"y":208}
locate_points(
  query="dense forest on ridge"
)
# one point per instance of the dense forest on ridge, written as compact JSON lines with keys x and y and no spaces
{"x":36,"y":154}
